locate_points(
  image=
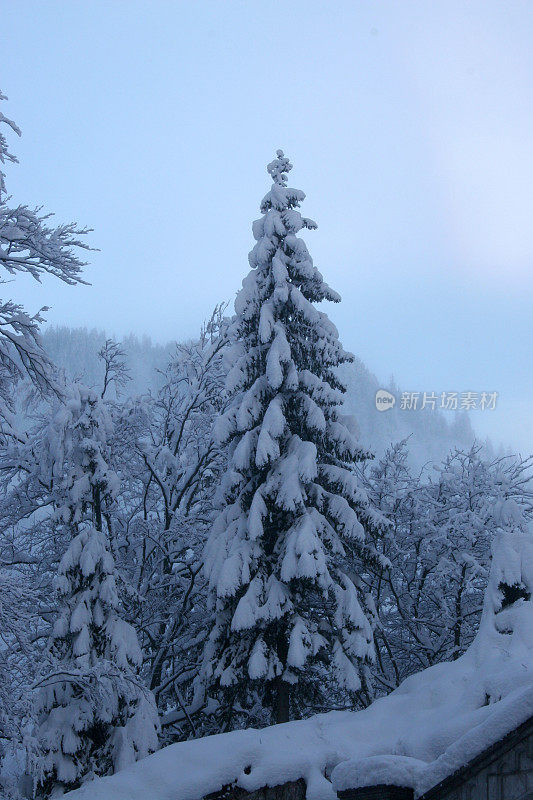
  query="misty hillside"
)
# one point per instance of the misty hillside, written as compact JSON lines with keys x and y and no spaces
{"x":432,"y":433}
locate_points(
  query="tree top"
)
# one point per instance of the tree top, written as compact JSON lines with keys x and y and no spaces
{"x":279,"y":168}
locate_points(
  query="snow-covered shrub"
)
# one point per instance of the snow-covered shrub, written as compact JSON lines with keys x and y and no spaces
{"x":439,"y":544}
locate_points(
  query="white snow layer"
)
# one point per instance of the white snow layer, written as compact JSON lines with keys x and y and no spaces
{"x":433,"y":724}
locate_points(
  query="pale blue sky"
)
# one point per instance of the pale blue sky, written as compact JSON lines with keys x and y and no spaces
{"x":409,"y":125}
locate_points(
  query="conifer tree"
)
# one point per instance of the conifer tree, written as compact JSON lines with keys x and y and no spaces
{"x":288,"y":615}
{"x":94,"y":715}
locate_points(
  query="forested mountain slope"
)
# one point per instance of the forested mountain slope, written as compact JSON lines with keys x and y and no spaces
{"x":432,"y":433}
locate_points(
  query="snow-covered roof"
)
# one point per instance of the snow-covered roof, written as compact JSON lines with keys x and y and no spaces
{"x":433,"y":724}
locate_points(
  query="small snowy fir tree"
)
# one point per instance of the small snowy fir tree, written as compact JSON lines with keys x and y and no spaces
{"x":94,"y":715}
{"x":76,"y":452}
{"x":289,"y":617}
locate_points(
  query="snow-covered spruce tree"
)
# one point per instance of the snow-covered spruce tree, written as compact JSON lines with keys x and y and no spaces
{"x":288,"y":616}
{"x":94,"y":715}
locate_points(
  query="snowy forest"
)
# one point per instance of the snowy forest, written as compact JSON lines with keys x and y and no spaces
{"x":220,"y":533}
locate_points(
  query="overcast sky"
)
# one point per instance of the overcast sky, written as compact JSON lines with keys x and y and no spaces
{"x":410,"y":126}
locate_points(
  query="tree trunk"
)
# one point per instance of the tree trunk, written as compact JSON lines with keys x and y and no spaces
{"x":281,"y":687}
{"x":282,"y":701}
{"x":97,"y":503}
{"x":458,"y":627}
